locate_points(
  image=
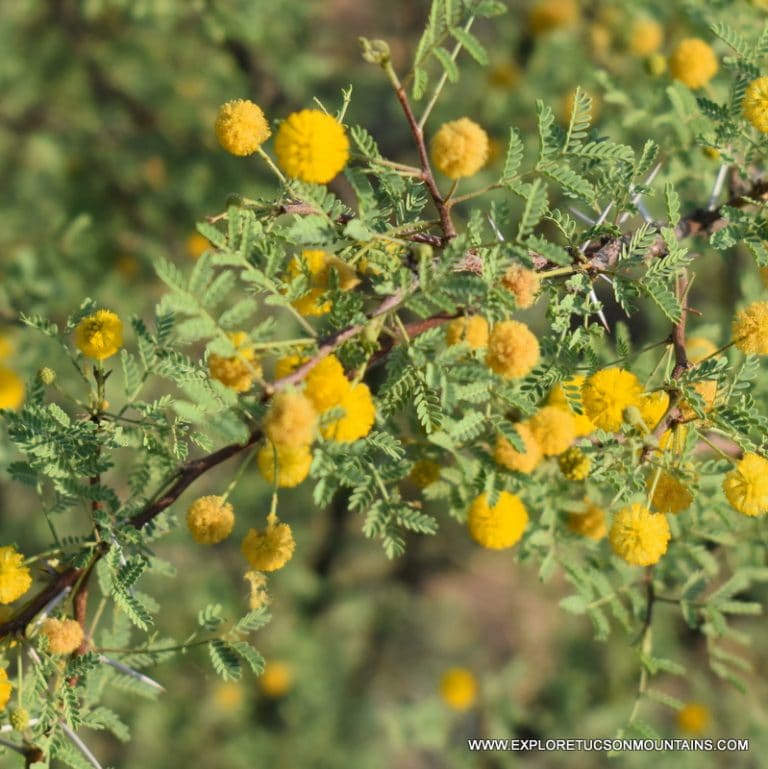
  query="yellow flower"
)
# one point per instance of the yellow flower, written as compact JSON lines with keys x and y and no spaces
{"x":547,"y":15}
{"x":639,"y":536}
{"x":645,"y":37}
{"x":358,"y":419}
{"x":750,"y":329}
{"x":99,"y":336}
{"x":698,"y":347}
{"x":671,"y":494}
{"x":554,"y":429}
{"x":319,"y":264}
{"x":523,"y":284}
{"x":210,"y":520}
{"x":557,"y":397}
{"x":196,"y":245}
{"x":424,"y":472}
{"x":238,"y":371}
{"x":276,"y":680}
{"x":513,"y":350}
{"x":6,"y":347}
{"x":64,"y":635}
{"x":291,"y":420}
{"x":693,"y":718}
{"x":311,"y":146}
{"x":746,"y":486}
{"x":15,"y":578}
{"x":460,"y":148}
{"x":241,"y":127}
{"x":458,"y":688}
{"x":257,"y":589}
{"x":505,"y":75}
{"x":6,"y":688}
{"x":500,"y":526}
{"x":326,"y":384}
{"x":473,"y":330}
{"x":652,"y":407}
{"x":755,"y":104}
{"x":228,"y":695}
{"x":607,"y":393}
{"x":522,"y":462}
{"x":293,"y":463}
{"x":11,"y":389}
{"x":590,"y":523}
{"x":271,"y":549}
{"x":574,"y":464}
{"x":287,"y":365}
{"x":693,"y":62}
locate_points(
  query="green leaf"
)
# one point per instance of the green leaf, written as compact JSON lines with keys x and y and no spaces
{"x":225,"y":659}
{"x":472,"y":44}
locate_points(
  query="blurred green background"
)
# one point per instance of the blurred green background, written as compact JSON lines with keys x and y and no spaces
{"x":108,"y":158}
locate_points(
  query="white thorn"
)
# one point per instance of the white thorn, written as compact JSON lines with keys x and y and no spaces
{"x":717,"y":188}
{"x":644,"y":212}
{"x":496,"y":230}
{"x":581,"y":215}
{"x":81,"y":746}
{"x":131,"y":672}
{"x":51,"y":605}
{"x":638,"y":196}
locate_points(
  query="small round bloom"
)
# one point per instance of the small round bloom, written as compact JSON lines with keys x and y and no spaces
{"x":293,"y":463}
{"x":210,"y":520}
{"x":671,"y":494}
{"x":547,"y":15}
{"x":513,"y":350}
{"x":652,"y":407}
{"x":458,"y":688}
{"x":693,"y":718}
{"x":557,"y":397}
{"x":238,"y":371}
{"x":590,"y":523}
{"x":196,"y":245}
{"x":318,"y":265}
{"x":693,"y":62}
{"x":291,"y":420}
{"x":15,"y":578}
{"x":520,"y":461}
{"x":554,"y":429}
{"x":228,"y":696}
{"x":326,"y":384}
{"x":241,"y":127}
{"x":6,"y":688}
{"x":645,"y":37}
{"x":639,"y":536}
{"x":271,"y":549}
{"x":11,"y":389}
{"x":99,"y":336}
{"x":473,"y":330}
{"x":276,"y":680}
{"x":64,"y":635}
{"x":460,"y":148}
{"x":607,"y":393}
{"x":523,"y":284}
{"x":311,"y":146}
{"x":500,"y":526}
{"x":574,"y":464}
{"x":746,"y":486}
{"x":423,"y":473}
{"x":19,"y":717}
{"x":755,"y":104}
{"x":47,"y":375}
{"x":698,"y":347}
{"x":750,"y":329}
{"x":358,"y":419}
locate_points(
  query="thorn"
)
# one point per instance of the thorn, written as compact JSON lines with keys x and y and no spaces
{"x":644,"y":212}
{"x":131,"y":672}
{"x":637,"y":197}
{"x":581,"y":215}
{"x":717,"y":187}
{"x":495,"y":229}
{"x":80,"y":745}
{"x":600,"y":313}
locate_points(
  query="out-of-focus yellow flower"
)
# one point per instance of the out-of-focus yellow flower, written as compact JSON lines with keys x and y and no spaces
{"x":458,"y":688}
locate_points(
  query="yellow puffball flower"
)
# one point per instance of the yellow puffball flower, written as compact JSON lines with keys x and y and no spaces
{"x":15,"y":578}
{"x":241,"y":127}
{"x":557,"y":397}
{"x":11,"y":389}
{"x":423,"y":473}
{"x":607,"y":393}
{"x":64,"y":635}
{"x":513,"y":350}
{"x":358,"y":419}
{"x":746,"y":486}
{"x":750,"y":329}
{"x":671,"y":494}
{"x":693,"y":718}
{"x":326,"y":384}
{"x":458,"y":688}
{"x":276,"y":680}
{"x":652,"y":407}
{"x":257,"y":589}
{"x":228,"y":696}
{"x":319,"y":264}
{"x":460,"y":148}
{"x":293,"y":463}
{"x":547,"y":15}
{"x":500,"y":526}
{"x":291,"y":420}
{"x":708,"y":392}
{"x":645,"y":37}
{"x":523,"y":284}
{"x":554,"y":429}
{"x":505,"y":75}
{"x":473,"y":330}
{"x":271,"y":549}
{"x":520,"y":461}
{"x":590,"y":523}
{"x":311,"y":146}
{"x":574,"y":464}
{"x":698,"y":347}
{"x":6,"y":689}
{"x":99,"y":336}
{"x":196,"y":245}
{"x":755,"y":104}
{"x":693,"y":62}
{"x":239,"y":370}
{"x":639,"y":536}
{"x":286,"y":366}
{"x":210,"y":520}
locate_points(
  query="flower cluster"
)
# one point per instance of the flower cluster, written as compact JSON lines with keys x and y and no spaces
{"x":210,"y":520}
{"x":15,"y":578}
{"x":239,"y":370}
{"x":99,"y":336}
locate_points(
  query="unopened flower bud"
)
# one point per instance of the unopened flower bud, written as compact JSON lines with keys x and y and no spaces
{"x":375,"y":51}
{"x":47,"y":375}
